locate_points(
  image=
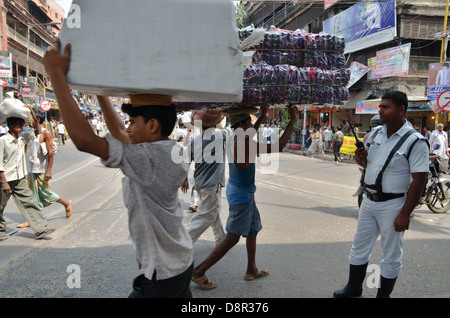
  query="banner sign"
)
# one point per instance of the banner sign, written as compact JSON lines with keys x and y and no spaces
{"x":27,"y":87}
{"x":370,"y":106}
{"x":357,"y":70}
{"x":438,"y":79}
{"x":365,"y":24}
{"x":5,"y":64}
{"x":349,"y":145}
{"x":393,"y":61}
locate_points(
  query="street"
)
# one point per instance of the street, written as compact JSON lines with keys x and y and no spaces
{"x":308,"y":214}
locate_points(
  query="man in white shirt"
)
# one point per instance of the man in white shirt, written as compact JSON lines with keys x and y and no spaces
{"x":390,"y":197}
{"x":61,"y":131}
{"x":439,"y":137}
{"x":328,"y":136}
{"x":13,"y":174}
{"x":443,"y":76}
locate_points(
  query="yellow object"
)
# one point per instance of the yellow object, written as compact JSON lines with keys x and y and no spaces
{"x":349,"y":145}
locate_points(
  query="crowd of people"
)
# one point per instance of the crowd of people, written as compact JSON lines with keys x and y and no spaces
{"x":164,"y":247}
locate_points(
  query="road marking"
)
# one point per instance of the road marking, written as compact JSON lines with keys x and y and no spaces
{"x":74,"y":171}
{"x":83,"y":196}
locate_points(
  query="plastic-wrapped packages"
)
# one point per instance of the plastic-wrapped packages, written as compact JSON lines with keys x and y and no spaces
{"x":12,"y":107}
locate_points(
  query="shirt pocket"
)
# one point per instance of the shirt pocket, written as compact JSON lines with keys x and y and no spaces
{"x":399,"y":162}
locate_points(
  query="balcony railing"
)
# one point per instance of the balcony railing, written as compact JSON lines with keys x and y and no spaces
{"x":23,"y":41}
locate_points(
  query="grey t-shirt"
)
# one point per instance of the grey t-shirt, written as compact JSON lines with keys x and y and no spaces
{"x":208,"y":152}
{"x":150,"y":187}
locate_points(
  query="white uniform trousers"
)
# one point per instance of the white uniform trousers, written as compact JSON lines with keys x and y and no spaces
{"x":208,"y":214}
{"x":377,"y":218}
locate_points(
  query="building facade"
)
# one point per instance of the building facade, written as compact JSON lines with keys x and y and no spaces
{"x":27,"y":28}
{"x":416,"y":24}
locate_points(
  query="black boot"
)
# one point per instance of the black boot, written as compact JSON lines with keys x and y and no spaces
{"x":355,"y":281}
{"x":386,"y":287}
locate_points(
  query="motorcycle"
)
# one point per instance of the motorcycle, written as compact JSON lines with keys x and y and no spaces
{"x":437,"y":190}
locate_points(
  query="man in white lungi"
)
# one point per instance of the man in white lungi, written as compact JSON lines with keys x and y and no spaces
{"x":390,"y":197}
{"x":208,"y":152}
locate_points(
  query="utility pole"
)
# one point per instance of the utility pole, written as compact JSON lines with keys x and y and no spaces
{"x":445,"y":37}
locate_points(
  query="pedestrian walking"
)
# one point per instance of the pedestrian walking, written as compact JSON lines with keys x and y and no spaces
{"x":143,"y":152}
{"x":328,"y":136}
{"x":244,"y":219}
{"x":337,"y":144}
{"x":392,"y":190}
{"x":40,"y":169}
{"x":315,"y":141}
{"x":440,"y":137}
{"x":207,"y":150}
{"x":13,"y":172}
{"x":61,"y":131}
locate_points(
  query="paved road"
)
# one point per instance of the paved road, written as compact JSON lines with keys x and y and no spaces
{"x":309,"y":218}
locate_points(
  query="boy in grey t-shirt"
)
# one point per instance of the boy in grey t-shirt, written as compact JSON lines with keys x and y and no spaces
{"x":143,"y":152}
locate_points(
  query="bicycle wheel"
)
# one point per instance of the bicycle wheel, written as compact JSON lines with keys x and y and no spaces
{"x":440,"y":204}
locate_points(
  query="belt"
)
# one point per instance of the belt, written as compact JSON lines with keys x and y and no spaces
{"x":384,"y":196}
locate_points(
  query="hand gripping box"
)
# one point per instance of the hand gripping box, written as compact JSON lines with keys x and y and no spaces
{"x":187,"y":49}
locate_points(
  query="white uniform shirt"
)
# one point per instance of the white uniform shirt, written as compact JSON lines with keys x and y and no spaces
{"x":397,"y":176}
{"x":150,"y":187}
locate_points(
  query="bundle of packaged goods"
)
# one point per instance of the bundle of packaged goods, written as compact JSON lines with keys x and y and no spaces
{"x":296,"y":68}
{"x":160,"y":52}
{"x":12,"y":107}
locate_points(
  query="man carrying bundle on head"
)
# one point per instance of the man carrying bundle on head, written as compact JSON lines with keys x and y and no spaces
{"x":152,"y":179}
{"x":244,"y":219}
{"x":207,"y":150}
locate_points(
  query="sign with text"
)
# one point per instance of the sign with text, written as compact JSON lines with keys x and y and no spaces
{"x":364,"y":24}
{"x":393,"y":61}
{"x":5,"y":64}
{"x":349,"y":145}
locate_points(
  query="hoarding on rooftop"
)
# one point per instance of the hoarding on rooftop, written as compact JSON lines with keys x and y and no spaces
{"x":365,"y":24}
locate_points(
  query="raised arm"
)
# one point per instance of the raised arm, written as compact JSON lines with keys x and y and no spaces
{"x":279,"y":146}
{"x":262,"y":116}
{"x":115,"y":125}
{"x":81,"y":133}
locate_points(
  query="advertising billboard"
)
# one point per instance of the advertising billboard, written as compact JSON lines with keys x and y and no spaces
{"x":365,"y":24}
{"x":393,"y":61}
{"x":438,"y":79}
{"x":5,"y":64}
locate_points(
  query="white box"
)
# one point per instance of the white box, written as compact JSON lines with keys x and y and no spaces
{"x":184,"y":48}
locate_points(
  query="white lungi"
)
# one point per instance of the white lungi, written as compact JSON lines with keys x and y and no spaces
{"x":208,"y":214}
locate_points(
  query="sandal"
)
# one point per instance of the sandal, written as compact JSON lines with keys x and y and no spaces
{"x":22,"y":225}
{"x":43,"y":234}
{"x":204,"y":282}
{"x":4,"y":237}
{"x":260,"y":273}
{"x":69,"y":210}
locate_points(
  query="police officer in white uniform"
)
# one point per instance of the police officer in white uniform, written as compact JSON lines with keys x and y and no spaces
{"x":390,"y":199}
